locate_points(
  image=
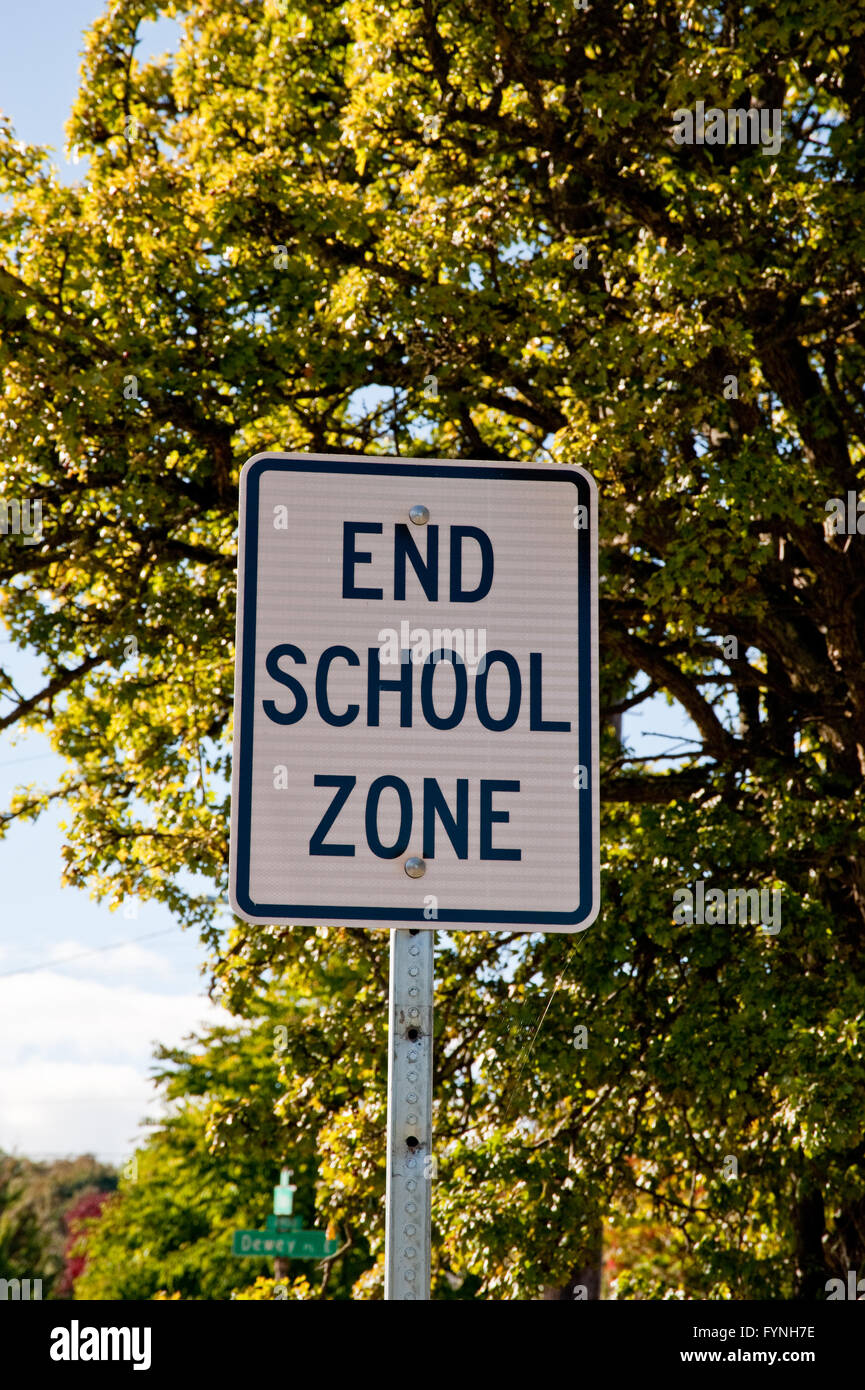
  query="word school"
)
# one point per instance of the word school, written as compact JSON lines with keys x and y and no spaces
{"x":717,"y":127}
{"x":431,"y":711}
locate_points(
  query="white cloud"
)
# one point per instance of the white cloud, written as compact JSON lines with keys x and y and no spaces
{"x":57,"y":1108}
{"x":47,"y":1013}
{"x":75,"y":1057}
{"x":118,"y":961}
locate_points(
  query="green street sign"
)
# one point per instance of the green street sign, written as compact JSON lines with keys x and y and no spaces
{"x":281,"y":1224}
{"x":283,"y":1198}
{"x":292,"y":1245}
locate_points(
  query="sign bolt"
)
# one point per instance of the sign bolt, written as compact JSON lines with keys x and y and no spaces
{"x":414,"y":867}
{"x":419,"y":515}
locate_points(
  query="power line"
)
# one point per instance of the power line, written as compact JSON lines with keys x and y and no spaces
{"x":45,"y":1154}
{"x":33,"y":758}
{"x":94,"y":951}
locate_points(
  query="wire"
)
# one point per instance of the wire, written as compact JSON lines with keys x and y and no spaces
{"x":531,"y":1042}
{"x":33,"y":758}
{"x":94,"y":951}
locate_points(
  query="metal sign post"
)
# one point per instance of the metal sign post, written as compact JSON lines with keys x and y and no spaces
{"x":410,"y":1162}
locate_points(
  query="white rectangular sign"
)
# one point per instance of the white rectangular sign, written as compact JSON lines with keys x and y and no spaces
{"x":416,"y":696}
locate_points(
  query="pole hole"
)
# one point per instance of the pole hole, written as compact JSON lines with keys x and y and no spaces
{"x":412,"y":1141}
{"x":412,"y":1034}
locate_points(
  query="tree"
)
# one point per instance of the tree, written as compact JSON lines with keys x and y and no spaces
{"x":207,"y":1170}
{"x":483,"y":211}
{"x":36,"y":1200}
{"x":22,"y":1248}
{"x":85,"y":1208}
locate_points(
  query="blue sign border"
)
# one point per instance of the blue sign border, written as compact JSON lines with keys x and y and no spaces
{"x":308,"y":912}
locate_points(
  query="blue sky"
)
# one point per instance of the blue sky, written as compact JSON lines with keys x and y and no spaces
{"x":79,"y":1012}
{"x":39,"y":58}
{"x":84,"y":992}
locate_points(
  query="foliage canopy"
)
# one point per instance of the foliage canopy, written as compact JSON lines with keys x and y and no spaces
{"x":309,"y":200}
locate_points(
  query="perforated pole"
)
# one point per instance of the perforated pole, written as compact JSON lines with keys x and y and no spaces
{"x":409,"y":1117}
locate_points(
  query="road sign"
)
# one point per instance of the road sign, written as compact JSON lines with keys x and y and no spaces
{"x":283,"y":1195}
{"x":292,"y":1245}
{"x":416,"y":694}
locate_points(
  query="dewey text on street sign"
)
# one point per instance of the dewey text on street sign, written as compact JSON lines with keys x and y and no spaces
{"x":416,"y":694}
{"x":292,"y":1245}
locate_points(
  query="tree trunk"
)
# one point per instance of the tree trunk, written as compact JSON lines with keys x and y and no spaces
{"x":809,"y":1220}
{"x":586,"y":1276}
